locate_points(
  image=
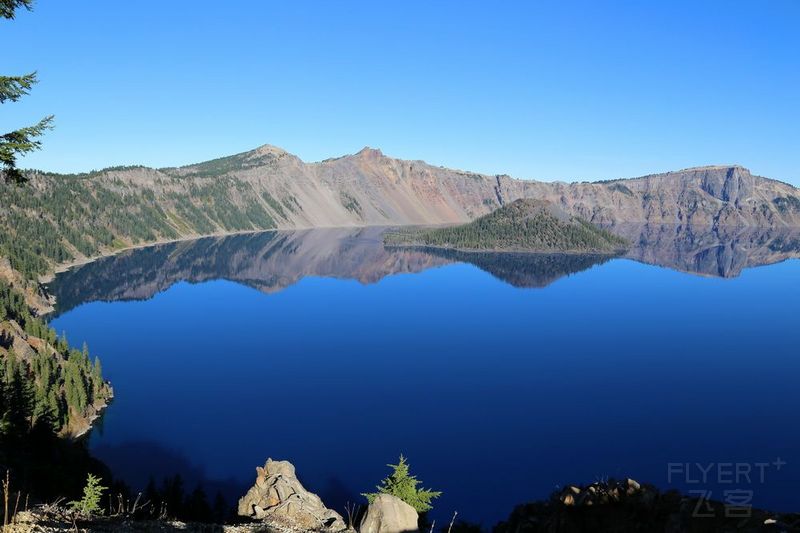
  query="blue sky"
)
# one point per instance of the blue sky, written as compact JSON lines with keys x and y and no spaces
{"x":545,"y":90}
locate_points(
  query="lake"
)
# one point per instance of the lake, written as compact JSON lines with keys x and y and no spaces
{"x":500,"y":376}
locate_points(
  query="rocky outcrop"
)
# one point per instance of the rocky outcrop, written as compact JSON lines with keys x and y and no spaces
{"x":600,"y":493}
{"x":631,"y":508}
{"x":38,"y":301}
{"x":389,"y":514}
{"x":628,"y":506}
{"x":279,"y":497}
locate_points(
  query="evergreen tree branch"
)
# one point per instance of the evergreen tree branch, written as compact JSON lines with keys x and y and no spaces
{"x":21,"y":142}
{"x":8,"y":7}
{"x":12,"y":88}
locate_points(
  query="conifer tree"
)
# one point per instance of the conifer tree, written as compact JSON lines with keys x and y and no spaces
{"x":20,"y":400}
{"x":92,"y":494}
{"x":404,"y":486}
{"x":24,"y":140}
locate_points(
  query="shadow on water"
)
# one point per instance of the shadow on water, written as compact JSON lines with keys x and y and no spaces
{"x":136,"y":462}
{"x":142,"y":463}
{"x":337,"y":495}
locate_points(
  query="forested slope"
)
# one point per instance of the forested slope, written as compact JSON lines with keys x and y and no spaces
{"x":523,"y":225}
{"x":43,"y":382}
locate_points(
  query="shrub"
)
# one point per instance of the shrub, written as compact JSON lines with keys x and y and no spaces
{"x":404,"y":486}
{"x":92,"y":493}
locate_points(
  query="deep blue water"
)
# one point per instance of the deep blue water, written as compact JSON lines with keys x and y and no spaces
{"x":497,"y":394}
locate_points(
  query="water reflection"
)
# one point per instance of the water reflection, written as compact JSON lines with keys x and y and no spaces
{"x":269,"y":262}
{"x":521,"y":269}
{"x":720,"y":252}
{"x":272,"y":261}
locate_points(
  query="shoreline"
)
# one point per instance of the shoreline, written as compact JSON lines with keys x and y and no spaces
{"x":63,"y":267}
{"x":60,"y":268}
{"x":609,"y":253}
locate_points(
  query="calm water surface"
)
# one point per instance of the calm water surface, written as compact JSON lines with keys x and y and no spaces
{"x":499,"y":377}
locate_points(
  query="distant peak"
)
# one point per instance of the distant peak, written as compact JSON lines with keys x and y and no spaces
{"x":714,"y":167}
{"x":267,"y":149}
{"x":369,"y":152}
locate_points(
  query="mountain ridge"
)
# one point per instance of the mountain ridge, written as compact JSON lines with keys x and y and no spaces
{"x":265,"y":149}
{"x":72,"y":217}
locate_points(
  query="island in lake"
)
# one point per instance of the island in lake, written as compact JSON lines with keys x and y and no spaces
{"x":524,"y":225}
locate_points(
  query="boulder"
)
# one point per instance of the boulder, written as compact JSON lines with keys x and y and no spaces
{"x":278,"y":496}
{"x":633,"y":486}
{"x":389,"y":514}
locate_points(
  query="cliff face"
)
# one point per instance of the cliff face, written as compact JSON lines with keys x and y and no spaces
{"x":370,"y":188}
{"x":707,"y":196}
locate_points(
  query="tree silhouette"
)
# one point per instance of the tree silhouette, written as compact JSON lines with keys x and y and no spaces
{"x":24,"y":140}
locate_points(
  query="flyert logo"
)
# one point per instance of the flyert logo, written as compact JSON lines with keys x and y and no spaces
{"x":741,"y":476}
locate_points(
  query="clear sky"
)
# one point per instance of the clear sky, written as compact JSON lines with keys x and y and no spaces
{"x":536,"y":89}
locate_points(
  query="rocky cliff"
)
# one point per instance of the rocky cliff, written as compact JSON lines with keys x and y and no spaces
{"x":369,"y":188}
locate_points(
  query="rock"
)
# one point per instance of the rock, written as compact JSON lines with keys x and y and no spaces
{"x":633,"y":486}
{"x":389,"y":514}
{"x":279,"y":496}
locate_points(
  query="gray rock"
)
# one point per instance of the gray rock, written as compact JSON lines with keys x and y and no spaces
{"x":389,"y":514}
{"x":278,"y":496}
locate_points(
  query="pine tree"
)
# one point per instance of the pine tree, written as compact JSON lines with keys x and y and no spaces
{"x":404,"y":486}
{"x":196,"y":507}
{"x":5,"y":423}
{"x":220,"y":508}
{"x":20,"y":400}
{"x":92,"y":493}
{"x":173,"y":495}
{"x":12,"y":88}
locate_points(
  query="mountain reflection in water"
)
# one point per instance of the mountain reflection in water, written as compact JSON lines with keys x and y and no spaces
{"x":272,"y":261}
